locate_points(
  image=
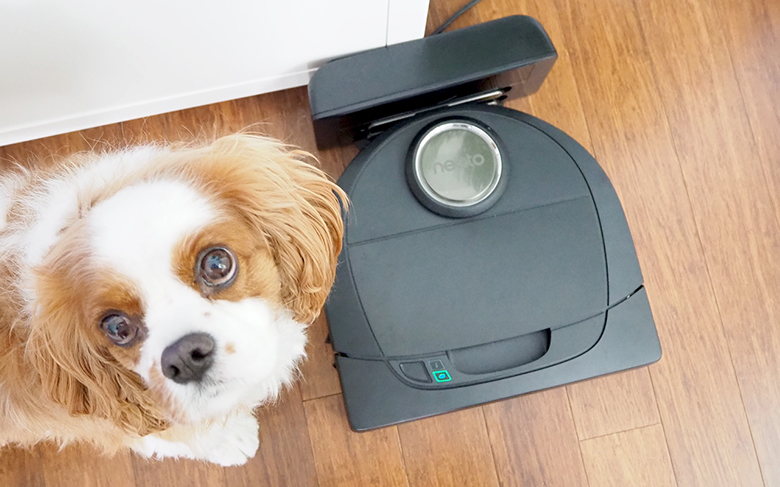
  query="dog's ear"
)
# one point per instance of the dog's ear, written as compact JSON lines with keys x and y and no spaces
{"x":88,"y":381}
{"x":75,"y":366}
{"x":294,"y":205}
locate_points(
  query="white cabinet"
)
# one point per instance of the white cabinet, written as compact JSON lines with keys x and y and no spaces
{"x":69,"y":65}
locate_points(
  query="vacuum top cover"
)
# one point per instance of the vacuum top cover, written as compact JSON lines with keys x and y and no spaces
{"x":429,"y":283}
{"x":537,"y":259}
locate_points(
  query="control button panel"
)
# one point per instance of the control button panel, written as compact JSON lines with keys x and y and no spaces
{"x":429,"y":372}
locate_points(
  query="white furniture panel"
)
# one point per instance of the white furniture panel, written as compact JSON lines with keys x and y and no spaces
{"x":69,"y":65}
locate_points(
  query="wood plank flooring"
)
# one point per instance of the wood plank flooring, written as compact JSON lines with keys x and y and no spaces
{"x":678,"y":101}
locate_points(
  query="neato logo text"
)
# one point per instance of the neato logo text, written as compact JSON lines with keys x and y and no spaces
{"x":458,"y":164}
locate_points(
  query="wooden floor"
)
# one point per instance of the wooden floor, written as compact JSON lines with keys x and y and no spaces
{"x":678,"y":100}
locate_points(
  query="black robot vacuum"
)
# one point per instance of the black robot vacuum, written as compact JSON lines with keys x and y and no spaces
{"x":486,"y":253}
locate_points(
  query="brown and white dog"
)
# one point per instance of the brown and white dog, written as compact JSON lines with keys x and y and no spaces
{"x":152,"y":297}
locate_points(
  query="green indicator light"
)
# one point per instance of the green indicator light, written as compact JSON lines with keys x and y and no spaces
{"x":442,"y":376}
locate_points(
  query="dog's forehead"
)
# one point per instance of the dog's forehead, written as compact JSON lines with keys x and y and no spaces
{"x":136,"y":230}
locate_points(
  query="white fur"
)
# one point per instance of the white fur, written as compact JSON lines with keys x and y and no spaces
{"x":229,"y":442}
{"x":57,"y":205}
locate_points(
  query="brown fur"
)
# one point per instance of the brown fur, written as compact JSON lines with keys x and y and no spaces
{"x":257,"y":274}
{"x":285,"y":201}
{"x":79,"y":368}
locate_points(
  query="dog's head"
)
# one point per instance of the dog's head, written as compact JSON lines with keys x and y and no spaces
{"x":182,"y":294}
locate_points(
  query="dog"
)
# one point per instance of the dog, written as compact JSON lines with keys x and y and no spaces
{"x":152,"y":297}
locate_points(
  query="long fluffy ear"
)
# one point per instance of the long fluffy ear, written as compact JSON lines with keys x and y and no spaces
{"x":75,"y":366}
{"x":293,"y":204}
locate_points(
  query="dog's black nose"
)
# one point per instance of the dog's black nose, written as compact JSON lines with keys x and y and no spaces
{"x":188,"y":359}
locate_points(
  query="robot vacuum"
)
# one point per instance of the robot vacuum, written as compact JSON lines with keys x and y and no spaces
{"x":486,"y":253}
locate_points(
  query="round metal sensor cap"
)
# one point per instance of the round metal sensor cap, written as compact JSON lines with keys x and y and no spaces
{"x":456,"y":169}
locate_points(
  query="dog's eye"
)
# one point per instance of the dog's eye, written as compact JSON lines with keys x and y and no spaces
{"x":119,"y":328}
{"x":217,"y":267}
